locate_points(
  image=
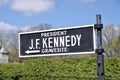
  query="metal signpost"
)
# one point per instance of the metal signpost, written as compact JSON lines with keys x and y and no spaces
{"x":67,"y":41}
{"x":99,"y":50}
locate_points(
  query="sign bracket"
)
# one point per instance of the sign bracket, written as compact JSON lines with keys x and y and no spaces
{"x":99,"y":50}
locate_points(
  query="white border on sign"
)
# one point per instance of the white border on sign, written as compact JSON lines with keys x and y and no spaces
{"x":58,"y":54}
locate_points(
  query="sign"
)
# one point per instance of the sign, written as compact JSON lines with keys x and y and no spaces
{"x":75,"y":40}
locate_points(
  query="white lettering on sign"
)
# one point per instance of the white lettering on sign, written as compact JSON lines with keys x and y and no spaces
{"x":47,"y":44}
{"x":54,"y":50}
{"x":55,"y":33}
{"x":44,"y":42}
{"x":31,"y":47}
{"x":50,"y":42}
{"x":78,"y":38}
{"x":55,"y":41}
{"x":73,"y":40}
{"x":67,"y":39}
{"x":37,"y":43}
{"x":62,"y":41}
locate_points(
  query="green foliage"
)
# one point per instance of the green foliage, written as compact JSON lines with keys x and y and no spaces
{"x":70,"y":67}
{"x":112,"y":68}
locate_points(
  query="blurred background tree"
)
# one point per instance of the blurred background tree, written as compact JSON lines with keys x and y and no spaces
{"x":10,"y":40}
{"x":111,"y":40}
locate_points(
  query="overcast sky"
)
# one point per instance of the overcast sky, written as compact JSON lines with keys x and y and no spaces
{"x":21,"y":14}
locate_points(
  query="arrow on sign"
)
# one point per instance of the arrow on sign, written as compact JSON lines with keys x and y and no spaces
{"x":32,"y":51}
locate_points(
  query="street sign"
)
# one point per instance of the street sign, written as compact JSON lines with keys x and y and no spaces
{"x":66,"y":41}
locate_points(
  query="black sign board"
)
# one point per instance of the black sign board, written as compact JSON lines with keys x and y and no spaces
{"x":75,"y":40}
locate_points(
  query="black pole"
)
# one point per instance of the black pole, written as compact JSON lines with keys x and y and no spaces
{"x":99,"y":50}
